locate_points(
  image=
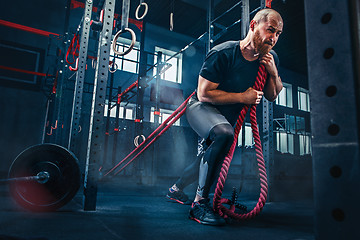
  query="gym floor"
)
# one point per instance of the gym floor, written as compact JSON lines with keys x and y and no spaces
{"x":142,"y":212}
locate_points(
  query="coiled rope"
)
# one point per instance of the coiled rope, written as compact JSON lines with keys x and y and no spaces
{"x":218,"y":201}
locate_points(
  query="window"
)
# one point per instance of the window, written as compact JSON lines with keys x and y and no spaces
{"x":284,"y":142}
{"x":294,"y":124}
{"x":126,"y":111}
{"x":285,"y":96}
{"x":286,"y":129}
{"x":290,"y":125}
{"x":164,"y":114}
{"x":300,"y":125}
{"x":305,"y":144}
{"x":173,"y":72}
{"x":303,"y":99}
{"x":249,"y":140}
{"x":129,"y":62}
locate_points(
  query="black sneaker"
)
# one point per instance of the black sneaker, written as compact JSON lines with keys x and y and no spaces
{"x":202,"y":212}
{"x":178,"y":196}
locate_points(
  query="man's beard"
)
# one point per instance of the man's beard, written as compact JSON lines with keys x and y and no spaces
{"x":261,"y":47}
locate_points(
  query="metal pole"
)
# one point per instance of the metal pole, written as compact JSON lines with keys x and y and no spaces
{"x":96,"y":131}
{"x":245,"y":18}
{"x":140,"y":94}
{"x":262,"y":4}
{"x":268,"y":142}
{"x":80,"y":77}
{"x":46,"y":118}
{"x":108,"y":113}
{"x":116,"y":133}
{"x":210,"y":14}
{"x":157,"y":88}
{"x":60,"y":137}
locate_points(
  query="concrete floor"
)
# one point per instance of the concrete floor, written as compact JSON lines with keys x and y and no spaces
{"x":140,"y":212}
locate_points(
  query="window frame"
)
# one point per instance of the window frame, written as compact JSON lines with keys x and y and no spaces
{"x":307,"y":99}
{"x":285,"y":95}
{"x":166,"y":54}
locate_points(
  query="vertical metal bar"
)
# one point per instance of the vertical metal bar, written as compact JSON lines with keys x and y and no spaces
{"x":45,"y":119}
{"x":116,"y":133}
{"x":333,"y":85}
{"x":96,"y":131}
{"x":142,"y":83}
{"x":157,"y":87}
{"x":267,"y":142}
{"x":210,"y":15}
{"x":59,"y":98}
{"x":80,"y":77}
{"x":125,"y":14}
{"x":245,"y":18}
{"x":140,"y":96}
{"x":296,"y":140}
{"x":108,"y":113}
{"x":262,"y":4}
{"x":267,"y":114}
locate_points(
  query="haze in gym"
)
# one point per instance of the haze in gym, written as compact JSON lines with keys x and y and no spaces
{"x":179,"y":119}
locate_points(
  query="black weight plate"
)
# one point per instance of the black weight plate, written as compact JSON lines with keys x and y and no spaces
{"x":62,"y":185}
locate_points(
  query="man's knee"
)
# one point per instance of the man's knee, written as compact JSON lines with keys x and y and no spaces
{"x":223,"y":133}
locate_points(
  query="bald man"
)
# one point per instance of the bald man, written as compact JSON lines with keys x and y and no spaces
{"x":224,"y":87}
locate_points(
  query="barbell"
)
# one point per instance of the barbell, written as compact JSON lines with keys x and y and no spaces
{"x":44,"y":177}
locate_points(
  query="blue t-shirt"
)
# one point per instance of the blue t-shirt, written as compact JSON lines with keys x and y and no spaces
{"x":226,"y":66}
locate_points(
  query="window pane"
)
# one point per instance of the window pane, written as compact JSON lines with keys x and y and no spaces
{"x":302,"y":144}
{"x":152,"y":117}
{"x":239,"y":138}
{"x":300,"y":124}
{"x":289,"y":96}
{"x":121,"y":112}
{"x":291,"y":143}
{"x":171,"y":72}
{"x":308,"y":102}
{"x":290,"y":123}
{"x":128,"y":65}
{"x":248,"y":136}
{"x":282,"y":97}
{"x":129,"y":113}
{"x":283,"y":142}
{"x":303,"y":101}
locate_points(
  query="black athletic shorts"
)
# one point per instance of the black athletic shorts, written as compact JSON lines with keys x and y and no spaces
{"x":203,"y":116}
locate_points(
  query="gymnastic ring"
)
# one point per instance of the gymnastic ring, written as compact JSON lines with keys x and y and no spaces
{"x":138,"y":9}
{"x":117,"y":35}
{"x":171,"y":21}
{"x":113,"y":71}
{"x":136,"y":140}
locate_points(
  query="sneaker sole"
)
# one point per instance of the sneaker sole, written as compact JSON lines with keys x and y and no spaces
{"x":206,"y":223}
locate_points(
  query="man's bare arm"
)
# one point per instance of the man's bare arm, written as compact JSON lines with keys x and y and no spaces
{"x":207,"y":92}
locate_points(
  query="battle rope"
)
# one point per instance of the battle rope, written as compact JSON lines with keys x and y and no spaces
{"x":73,"y":47}
{"x":218,"y":207}
{"x":168,"y":123}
